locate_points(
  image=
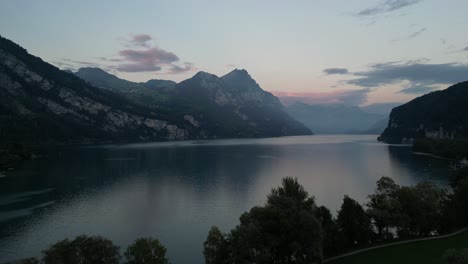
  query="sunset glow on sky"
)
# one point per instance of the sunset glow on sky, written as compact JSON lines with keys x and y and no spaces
{"x":352,"y":52}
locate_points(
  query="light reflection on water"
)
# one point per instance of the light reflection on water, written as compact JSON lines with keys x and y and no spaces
{"x":176,"y":191}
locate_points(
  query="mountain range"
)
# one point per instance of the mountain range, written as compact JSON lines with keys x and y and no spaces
{"x":41,"y":103}
{"x":338,"y":118}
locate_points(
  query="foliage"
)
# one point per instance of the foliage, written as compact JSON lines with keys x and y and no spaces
{"x":332,"y":238}
{"x":25,"y":261}
{"x":285,"y":230}
{"x":354,"y":223}
{"x":382,"y":207}
{"x":215,"y":247}
{"x":447,"y":148}
{"x":82,"y":250}
{"x":146,"y":250}
{"x":421,"y":209}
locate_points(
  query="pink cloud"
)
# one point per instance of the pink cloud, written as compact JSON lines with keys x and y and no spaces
{"x":141,"y":40}
{"x":143,"y":57}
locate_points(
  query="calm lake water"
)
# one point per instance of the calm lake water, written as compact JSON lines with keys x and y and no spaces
{"x":177,"y":191}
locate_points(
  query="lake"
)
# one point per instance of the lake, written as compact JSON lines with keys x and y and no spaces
{"x":175,"y":191}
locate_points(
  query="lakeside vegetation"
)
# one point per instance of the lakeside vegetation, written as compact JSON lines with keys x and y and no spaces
{"x":291,"y":228}
{"x":447,"y":148}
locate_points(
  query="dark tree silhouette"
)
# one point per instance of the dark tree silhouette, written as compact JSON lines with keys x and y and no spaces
{"x":354,"y":223}
{"x":146,"y":250}
{"x":82,"y":250}
{"x":215,"y":247}
{"x":285,"y":230}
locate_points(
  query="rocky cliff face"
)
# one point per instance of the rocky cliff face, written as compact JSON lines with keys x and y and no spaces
{"x":40,"y":103}
{"x":438,"y":115}
{"x":36,"y":95}
{"x":235,"y":105}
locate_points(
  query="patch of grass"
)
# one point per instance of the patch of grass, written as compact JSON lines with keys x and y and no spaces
{"x":427,"y":252}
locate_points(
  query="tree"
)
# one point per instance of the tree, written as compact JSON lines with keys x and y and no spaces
{"x":332,"y":239}
{"x":354,"y":223}
{"x":421,"y":209}
{"x":146,"y":250}
{"x":82,"y":250}
{"x":25,"y":261}
{"x":215,"y":247}
{"x":285,"y":230}
{"x":460,"y":202}
{"x":382,"y":207}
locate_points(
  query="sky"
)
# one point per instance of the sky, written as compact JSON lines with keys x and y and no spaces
{"x":323,"y":51}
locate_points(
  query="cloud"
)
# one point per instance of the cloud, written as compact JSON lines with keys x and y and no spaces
{"x":140,"y":56}
{"x":141,"y":40}
{"x":181,"y":69}
{"x":346,"y":97}
{"x":416,"y":33}
{"x":387,"y":6}
{"x":412,"y":35}
{"x":418,"y":90}
{"x":331,"y":71}
{"x":418,"y":74}
{"x":146,"y":60}
{"x":466,"y":48}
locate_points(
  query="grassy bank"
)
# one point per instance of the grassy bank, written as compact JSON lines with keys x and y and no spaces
{"x":428,"y":252}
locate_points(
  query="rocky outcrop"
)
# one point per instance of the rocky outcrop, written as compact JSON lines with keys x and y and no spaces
{"x":438,"y":115}
{"x":37,"y":92}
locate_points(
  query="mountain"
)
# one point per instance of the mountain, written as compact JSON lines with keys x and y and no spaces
{"x":235,"y":105}
{"x":101,"y":79}
{"x":334,"y":119}
{"x":437,"y":115}
{"x":151,"y":93}
{"x":40,"y":103}
{"x":378,"y":127}
{"x":231,"y":106}
{"x":380,"y":108}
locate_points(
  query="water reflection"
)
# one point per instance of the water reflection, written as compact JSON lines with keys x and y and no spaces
{"x":177,"y":191}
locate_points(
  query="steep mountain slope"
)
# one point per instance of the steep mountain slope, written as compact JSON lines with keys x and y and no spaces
{"x":231,"y":106}
{"x":40,"y":103}
{"x":437,"y":115}
{"x":102,"y":79}
{"x":333,"y":119}
{"x":151,"y":93}
{"x":235,"y":105}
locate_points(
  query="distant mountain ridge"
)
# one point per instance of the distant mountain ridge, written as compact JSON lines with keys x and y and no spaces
{"x":337,"y":119}
{"x":437,"y":115}
{"x":40,"y":103}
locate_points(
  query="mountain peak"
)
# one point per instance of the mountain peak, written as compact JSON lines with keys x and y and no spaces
{"x":241,"y":79}
{"x":204,"y":75}
{"x":238,"y":73}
